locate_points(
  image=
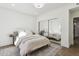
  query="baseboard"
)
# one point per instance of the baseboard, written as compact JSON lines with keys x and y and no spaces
{"x":6,"y":45}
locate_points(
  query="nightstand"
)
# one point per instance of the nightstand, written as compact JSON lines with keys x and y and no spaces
{"x":13,"y":37}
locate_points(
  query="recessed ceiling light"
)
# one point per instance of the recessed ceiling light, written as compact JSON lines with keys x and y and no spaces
{"x":38,"y":5}
{"x":12,"y":5}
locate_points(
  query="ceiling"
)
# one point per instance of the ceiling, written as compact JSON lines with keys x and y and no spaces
{"x":74,"y":9}
{"x":29,"y":8}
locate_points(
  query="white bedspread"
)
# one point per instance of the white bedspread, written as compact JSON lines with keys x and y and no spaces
{"x":31,"y":43}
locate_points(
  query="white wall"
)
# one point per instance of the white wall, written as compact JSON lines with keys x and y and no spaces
{"x":10,"y":21}
{"x":61,"y":13}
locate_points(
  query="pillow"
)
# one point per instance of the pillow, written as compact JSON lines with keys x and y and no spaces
{"x":22,"y":34}
{"x":18,"y":40}
{"x":16,"y":43}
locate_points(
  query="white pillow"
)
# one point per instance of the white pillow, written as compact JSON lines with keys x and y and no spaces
{"x":20,"y":35}
{"x":16,"y":43}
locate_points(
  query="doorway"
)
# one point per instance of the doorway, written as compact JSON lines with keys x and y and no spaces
{"x":76,"y":30}
{"x":74,"y":26}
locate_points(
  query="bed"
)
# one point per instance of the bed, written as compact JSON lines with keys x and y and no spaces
{"x":29,"y":42}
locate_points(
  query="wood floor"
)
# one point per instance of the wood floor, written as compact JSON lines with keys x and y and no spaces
{"x":72,"y":51}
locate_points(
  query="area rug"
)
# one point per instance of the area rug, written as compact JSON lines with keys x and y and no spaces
{"x":44,"y":51}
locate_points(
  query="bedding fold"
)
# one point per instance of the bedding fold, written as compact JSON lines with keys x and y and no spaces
{"x":27,"y":44}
